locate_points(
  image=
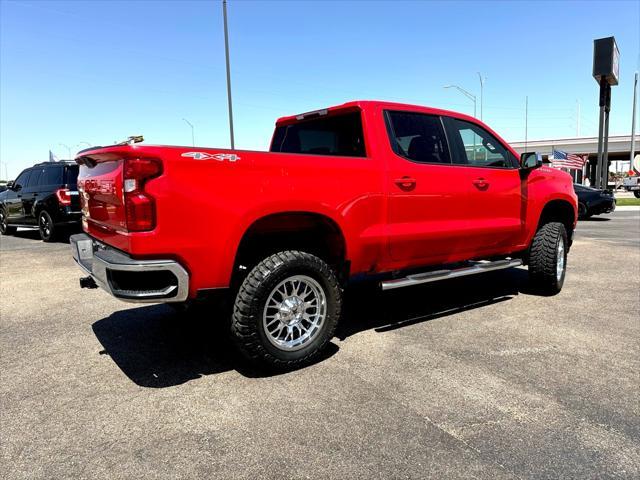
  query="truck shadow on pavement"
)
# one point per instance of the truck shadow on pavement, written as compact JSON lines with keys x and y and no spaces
{"x":157,"y":347}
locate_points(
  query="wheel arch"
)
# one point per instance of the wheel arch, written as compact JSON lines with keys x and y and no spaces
{"x":559,"y":210}
{"x":307,"y":231}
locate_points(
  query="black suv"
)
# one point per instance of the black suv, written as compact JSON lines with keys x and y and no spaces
{"x":44,"y":196}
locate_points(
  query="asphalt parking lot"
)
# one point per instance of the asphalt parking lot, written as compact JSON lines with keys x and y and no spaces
{"x":472,"y":378}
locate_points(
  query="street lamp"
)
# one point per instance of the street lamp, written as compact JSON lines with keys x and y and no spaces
{"x":470,"y":96}
{"x":481,"y":91}
{"x":68,"y":149}
{"x":193,"y":138}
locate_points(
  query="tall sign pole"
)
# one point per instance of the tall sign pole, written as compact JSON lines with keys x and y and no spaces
{"x":226,"y":52}
{"x":606,"y":63}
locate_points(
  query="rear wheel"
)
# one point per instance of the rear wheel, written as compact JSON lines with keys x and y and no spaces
{"x":583,"y":212}
{"x":286,"y":310}
{"x":548,"y":258}
{"x":636,"y":193}
{"x":46,"y":227}
{"x":4,"y":228}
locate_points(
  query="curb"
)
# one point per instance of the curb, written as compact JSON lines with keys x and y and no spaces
{"x":628,"y":208}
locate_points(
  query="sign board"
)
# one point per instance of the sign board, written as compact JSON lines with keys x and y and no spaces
{"x":606,"y":60}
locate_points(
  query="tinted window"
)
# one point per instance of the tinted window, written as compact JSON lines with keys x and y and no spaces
{"x":35,"y":177}
{"x":418,"y":137}
{"x":72,"y":175}
{"x":53,"y":176}
{"x":23,"y":178}
{"x":334,"y":135}
{"x":473,"y":145}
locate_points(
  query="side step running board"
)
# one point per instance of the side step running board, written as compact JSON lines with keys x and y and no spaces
{"x":434,"y":276}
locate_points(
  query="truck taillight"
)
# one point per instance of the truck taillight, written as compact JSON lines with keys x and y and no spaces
{"x":139,"y":205}
{"x":64,"y":196}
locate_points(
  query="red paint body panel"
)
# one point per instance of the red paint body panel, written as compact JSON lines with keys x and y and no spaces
{"x":204,"y":207}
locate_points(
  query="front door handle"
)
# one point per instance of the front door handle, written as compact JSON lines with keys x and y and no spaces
{"x":406,"y":183}
{"x":481,"y":183}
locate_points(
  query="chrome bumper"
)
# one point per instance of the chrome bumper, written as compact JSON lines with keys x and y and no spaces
{"x":141,"y":281}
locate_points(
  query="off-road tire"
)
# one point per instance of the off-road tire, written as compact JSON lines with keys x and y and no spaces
{"x":4,"y":228}
{"x":247,"y":329}
{"x":46,"y":227}
{"x":543,"y":258}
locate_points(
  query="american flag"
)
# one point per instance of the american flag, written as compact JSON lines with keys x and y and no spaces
{"x":568,"y":160}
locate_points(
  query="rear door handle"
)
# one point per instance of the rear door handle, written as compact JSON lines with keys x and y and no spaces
{"x":481,"y":183}
{"x":406,"y":183}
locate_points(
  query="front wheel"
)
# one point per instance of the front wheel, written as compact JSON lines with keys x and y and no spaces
{"x":286,"y":310}
{"x":636,"y":193}
{"x":548,"y":258}
{"x":5,"y":229}
{"x":46,"y":227}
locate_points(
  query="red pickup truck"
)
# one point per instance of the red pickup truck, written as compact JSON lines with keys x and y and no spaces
{"x":400,"y":193}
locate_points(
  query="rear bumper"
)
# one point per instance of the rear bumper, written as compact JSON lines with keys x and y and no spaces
{"x":604,"y":205}
{"x":140,"y":281}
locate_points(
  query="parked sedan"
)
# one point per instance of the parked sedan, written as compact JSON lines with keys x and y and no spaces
{"x":592,"y":201}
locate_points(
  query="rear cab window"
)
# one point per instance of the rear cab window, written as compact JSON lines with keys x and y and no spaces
{"x":340,"y":134}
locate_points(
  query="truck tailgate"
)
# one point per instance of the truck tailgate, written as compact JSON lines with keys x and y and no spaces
{"x":100,"y":184}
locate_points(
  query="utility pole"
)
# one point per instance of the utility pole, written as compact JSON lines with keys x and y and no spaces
{"x":633,"y":122}
{"x":226,"y":52}
{"x":481,"y":92}
{"x":193,"y":138}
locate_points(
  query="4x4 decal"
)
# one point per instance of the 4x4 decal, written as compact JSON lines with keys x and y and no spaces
{"x":221,"y":157}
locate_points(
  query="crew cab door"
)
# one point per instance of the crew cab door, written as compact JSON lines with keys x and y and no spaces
{"x":427,"y":195}
{"x":490,"y":173}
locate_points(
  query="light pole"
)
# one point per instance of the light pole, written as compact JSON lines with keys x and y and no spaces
{"x":470,"y":96}
{"x":68,"y":149}
{"x":193,"y":138}
{"x":226,"y":52}
{"x":481,"y":92}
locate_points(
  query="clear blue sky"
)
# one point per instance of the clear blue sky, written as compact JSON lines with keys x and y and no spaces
{"x":88,"y":71}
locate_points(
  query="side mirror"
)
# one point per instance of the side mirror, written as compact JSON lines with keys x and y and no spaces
{"x":10,"y":185}
{"x":530,"y":160}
